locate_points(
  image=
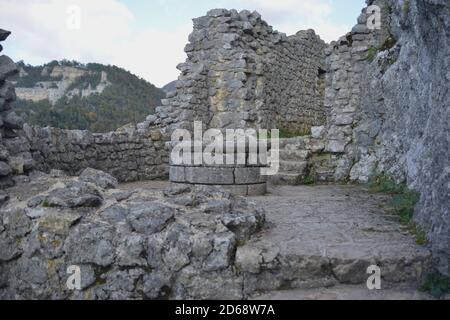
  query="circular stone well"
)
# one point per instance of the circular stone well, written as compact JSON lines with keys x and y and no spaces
{"x":239,"y":179}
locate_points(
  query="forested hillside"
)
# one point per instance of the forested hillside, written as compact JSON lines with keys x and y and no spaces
{"x":71,"y":95}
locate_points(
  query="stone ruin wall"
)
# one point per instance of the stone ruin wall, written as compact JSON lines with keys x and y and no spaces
{"x":241,"y":74}
{"x":295,"y":82}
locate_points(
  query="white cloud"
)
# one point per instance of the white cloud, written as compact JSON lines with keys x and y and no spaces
{"x":40,"y":34}
{"x":290,"y":16}
{"x":109,"y":33}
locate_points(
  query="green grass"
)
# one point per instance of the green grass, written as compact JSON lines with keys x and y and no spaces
{"x":402,"y":203}
{"x":47,"y":204}
{"x":436,"y":284}
{"x":371,"y":53}
{"x":285,"y":134}
{"x":418,"y":233}
{"x":309,"y":180}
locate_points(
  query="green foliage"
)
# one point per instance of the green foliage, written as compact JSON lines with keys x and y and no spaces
{"x":309,"y":180}
{"x":406,"y":7}
{"x":387,"y":44}
{"x":418,"y":233}
{"x":436,"y":284}
{"x":46,"y":204}
{"x":128,"y":99}
{"x":284,"y":134}
{"x":371,"y":53}
{"x":402,"y":203}
{"x":385,"y":184}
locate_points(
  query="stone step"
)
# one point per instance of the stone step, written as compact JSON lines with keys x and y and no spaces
{"x":286,"y":179}
{"x":298,"y":141}
{"x":293,"y":155}
{"x":298,"y":167}
{"x":322,"y":236}
{"x":348,"y":292}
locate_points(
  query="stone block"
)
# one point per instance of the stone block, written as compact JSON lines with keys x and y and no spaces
{"x":248,"y":175}
{"x":209,"y":175}
{"x":257,"y":189}
{"x":176,"y":174}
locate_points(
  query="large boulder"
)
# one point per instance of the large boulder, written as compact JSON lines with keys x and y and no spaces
{"x":4,"y":34}
{"x":5,"y":169}
{"x":99,"y":178}
{"x":7,"y":68}
{"x":73,"y":194}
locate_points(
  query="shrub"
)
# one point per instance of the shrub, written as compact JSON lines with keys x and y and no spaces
{"x":436,"y":284}
{"x":402,"y":203}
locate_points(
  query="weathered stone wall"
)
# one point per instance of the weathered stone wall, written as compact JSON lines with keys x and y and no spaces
{"x":129,"y":154}
{"x":295,"y":82}
{"x":15,"y":158}
{"x":388,"y":99}
{"x":407,"y":101}
{"x":241,"y":74}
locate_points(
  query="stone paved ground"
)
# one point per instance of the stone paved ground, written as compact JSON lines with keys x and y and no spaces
{"x":346,"y":292}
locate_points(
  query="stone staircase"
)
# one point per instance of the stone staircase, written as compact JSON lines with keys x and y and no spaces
{"x":294,"y":167}
{"x":326,"y":236}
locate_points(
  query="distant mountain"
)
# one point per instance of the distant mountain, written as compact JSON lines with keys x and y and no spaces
{"x":171,"y":86}
{"x":71,"y":95}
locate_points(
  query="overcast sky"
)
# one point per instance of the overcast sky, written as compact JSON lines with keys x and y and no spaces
{"x":147,"y":37}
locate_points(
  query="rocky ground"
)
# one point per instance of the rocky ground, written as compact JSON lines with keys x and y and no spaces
{"x":149,"y":240}
{"x":130,"y":242}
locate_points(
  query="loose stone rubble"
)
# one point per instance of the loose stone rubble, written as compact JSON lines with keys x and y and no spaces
{"x":179,"y":242}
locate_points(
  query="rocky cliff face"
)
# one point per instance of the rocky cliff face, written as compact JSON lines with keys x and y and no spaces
{"x":406,"y":104}
{"x":58,"y":84}
{"x":388,"y":97}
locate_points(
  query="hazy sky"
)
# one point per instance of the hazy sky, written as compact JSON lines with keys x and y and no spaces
{"x":147,"y":37}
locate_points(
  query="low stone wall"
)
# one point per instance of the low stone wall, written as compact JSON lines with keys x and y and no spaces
{"x":129,"y":155}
